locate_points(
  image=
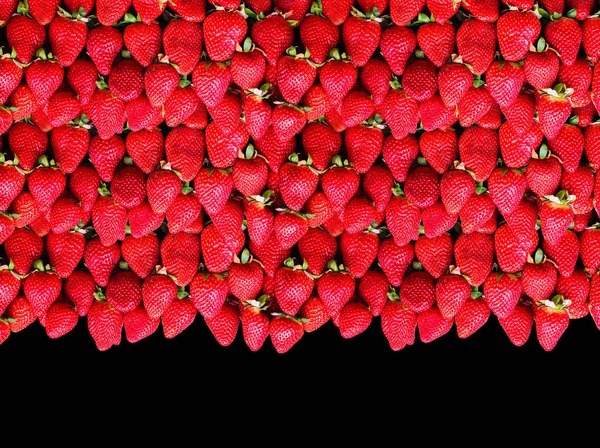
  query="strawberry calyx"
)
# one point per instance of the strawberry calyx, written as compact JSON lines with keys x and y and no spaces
{"x":23,"y":8}
{"x":542,"y":153}
{"x":245,"y":258}
{"x":43,"y":56}
{"x":293,"y":52}
{"x":41,"y":267}
{"x":455,"y":270}
{"x":297,"y":213}
{"x":264,"y":198}
{"x":9,"y":267}
{"x":101,"y":83}
{"x":538,"y":257}
{"x":371,"y":15}
{"x":417,"y":266}
{"x":300,"y":320}
{"x":559,"y":91}
{"x":103,"y":190}
{"x":333,"y":266}
{"x":562,"y":198}
{"x":476,"y":293}
{"x":263,"y":91}
{"x":397,"y":190}
{"x":186,"y":189}
{"x":43,"y":161}
{"x":182,"y":293}
{"x":477,"y":81}
{"x":335,"y":54}
{"x":99,"y":294}
{"x":316,"y":8}
{"x":558,"y":302}
{"x":79,"y":15}
{"x":129,"y":18}
{"x":393,"y":294}
{"x":261,"y":303}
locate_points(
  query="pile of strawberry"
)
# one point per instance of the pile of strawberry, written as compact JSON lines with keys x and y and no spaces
{"x":280,"y":163}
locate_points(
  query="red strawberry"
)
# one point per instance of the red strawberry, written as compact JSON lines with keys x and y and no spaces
{"x":511,"y":253}
{"x":177,"y":317}
{"x":541,"y":69}
{"x":107,"y":113}
{"x":474,"y":255}
{"x":81,"y":77}
{"x":145,"y":149}
{"x":314,"y":311}
{"x":218,"y":257}
{"x":28,"y":143}
{"x":565,"y":253}
{"x":12,"y":181}
{"x":124,"y":291}
{"x":139,"y":325}
{"x":516,"y":33}
{"x":551,"y":321}
{"x":184,"y":148}
{"x":568,"y":145}
{"x":361,"y":38}
{"x":356,"y":108}
{"x":337,"y":12}
{"x":143,"y":41}
{"x":502,"y":293}
{"x":590,"y":28}
{"x":26,"y":36}
{"x":141,"y":254}
{"x":222,"y":30}
{"x":70,"y":145}
{"x":517,"y":149}
{"x":255,"y":325}
{"x":417,"y":291}
{"x":7,"y":9}
{"x":435,"y":254}
{"x":590,"y":249}
{"x":565,"y":35}
{"x":451,"y":293}
{"x":575,"y":288}
{"x":211,"y":80}
{"x":285,"y":332}
{"x":436,"y":41}
{"x":478,"y":150}
{"x":397,"y":45}
{"x":105,"y":324}
{"x":317,"y":247}
{"x":60,"y":319}
{"x":400,"y":112}
{"x":110,"y":220}
{"x":398,"y":324}
{"x":518,"y":324}
{"x":111,"y":11}
{"x":456,"y":187}
{"x":11,"y":77}
{"x":340,"y":184}
{"x":79,"y":290}
{"x":373,"y":288}
{"x":103,"y":45}
{"x":454,"y":80}
{"x":21,"y":314}
{"x":432,"y":325}
{"x":67,"y":39}
{"x":476,"y":43}
{"x":65,"y":251}
{"x":245,"y":279}
{"x":506,"y":188}
{"x":158,"y":292}
{"x":394,"y":260}
{"x":289,"y":227}
{"x":209,"y":291}
{"x":358,"y":215}
{"x":471,"y":317}
{"x":182,"y":41}
{"x":363,"y":144}
{"x":553,"y":111}
{"x":10,"y":284}
{"x":354,"y":319}
{"x":180,"y":256}
{"x":539,"y":279}
{"x":439,"y":149}
{"x":319,"y":36}
{"x":420,"y":80}
{"x":358,"y":252}
{"x":422,"y":187}
{"x":402,"y":218}
{"x":556,"y":215}
{"x":101,"y":260}
{"x":41,"y":290}
{"x":223,"y":148}
{"x":224,"y":325}
{"x":375,"y":77}
{"x":148,"y":10}
{"x":377,"y":184}
{"x":335,"y":288}
{"x":504,"y":81}
{"x":474,"y":105}
{"x":294,"y":76}
{"x":46,"y":185}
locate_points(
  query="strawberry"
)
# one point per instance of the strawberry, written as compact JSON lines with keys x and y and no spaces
{"x":551,"y":321}
{"x":25,"y":206}
{"x":398,"y":324}
{"x":400,"y":113}
{"x":28,"y":143}
{"x":373,"y":288}
{"x":502,"y":293}
{"x":377,"y":184}
{"x":294,"y":76}
{"x":190,"y":10}
{"x":158,"y":292}
{"x":81,"y":77}
{"x":177,"y":317}
{"x":143,"y":41}
{"x":255,"y":324}
{"x":245,"y":278}
{"x":575,"y":288}
{"x":361,"y":38}
{"x":435,"y":114}
{"x":518,"y":324}
{"x":180,"y":256}
{"x":65,"y":215}
{"x":60,"y":319}
{"x":101,"y":260}
{"x":26,"y":36}
{"x":7,"y":9}
{"x":289,"y":227}
{"x":358,"y":252}
{"x":478,"y":150}
{"x":248,"y":67}
{"x":589,"y":38}
{"x":451,"y":293}
{"x":126,"y":80}
{"x":417,"y":291}
{"x":437,"y":220}
{"x":145,"y":149}
{"x":456,"y":187}
{"x":162,"y":187}
{"x":577,"y":76}
{"x":218,"y":257}
{"x":103,"y":45}
{"x":160,"y":81}
{"x":84,"y":184}
{"x":41,"y":289}
{"x":517,"y":149}
{"x":143,"y":221}
{"x":337,"y":12}
{"x":476,"y":44}
{"x":211,"y":80}
{"x":422,"y":187}
{"x":506,"y":188}
{"x":553,"y":111}
{"x":454,"y":80}
{"x":287,"y":121}
{"x":397,"y":45}
{"x":568,"y":145}
{"x":129,"y":186}
{"x":139,"y":325}
{"x":65,"y":251}
{"x":79,"y":290}
{"x":70,"y":145}
{"x":104,"y":324}
{"x":436,"y":41}
{"x":184,"y":210}
{"x":46,"y":185}
{"x":539,"y":278}
{"x":511,"y":253}
{"x":541,"y":69}
{"x":504,"y":81}
{"x":316,"y":247}
{"x":318,"y":35}
{"x":358,"y":215}
{"x":298,"y":183}
{"x":124,"y":291}
{"x":402,"y":218}
{"x":363,"y":144}
{"x":590,"y":249}
{"x":564,"y":254}
{"x":293,"y":287}
{"x":315,"y":313}
{"x":22,"y":102}
{"x":11,"y":77}
{"x":394,"y":260}
{"x":420,"y":80}
{"x":111,"y":11}
{"x":354,"y":319}
{"x":432,"y":325}
{"x":340,"y":184}
{"x":224,"y":325}
{"x":12,"y":181}
{"x":375,"y":77}
{"x":10,"y":284}
{"x":259,"y":219}
{"x":107,"y":113}
{"x":434,"y":254}
{"x":474,"y":255}
{"x":471,"y":317}
{"x":565,"y":35}
{"x":399,"y":155}
{"x":257,"y":114}
{"x":356,"y":108}
{"x":285,"y":332}
{"x":110,"y":220}
{"x":20,"y":313}
{"x":184,"y":53}
{"x":184,"y":148}
{"x":270,"y":254}
{"x":556,"y":215}
{"x":516,"y":32}
{"x":141,"y":254}
{"x":474,"y":105}
{"x":439,"y":149}
{"x":222,"y":31}
{"x":321,"y":143}
{"x":223,"y":148}
{"x":67,"y":39}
